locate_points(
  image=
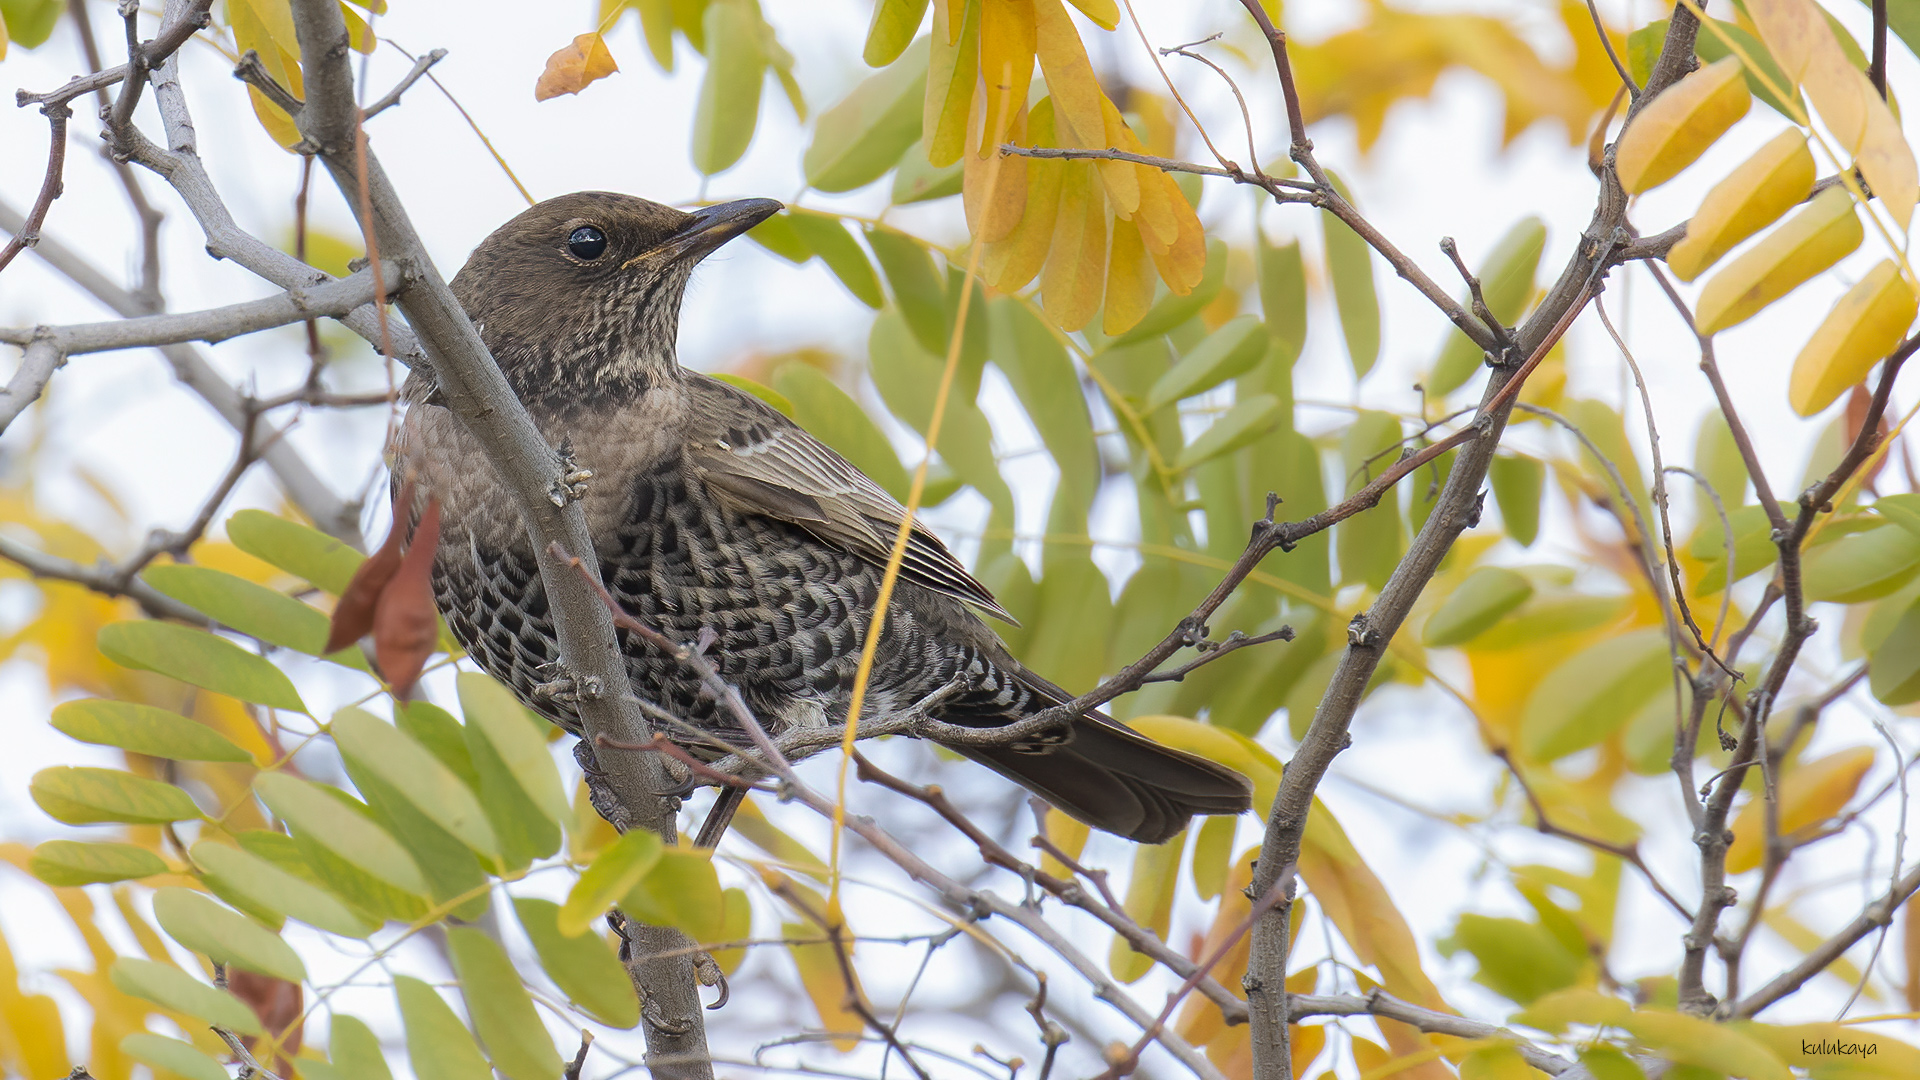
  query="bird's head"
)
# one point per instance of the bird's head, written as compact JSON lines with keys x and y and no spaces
{"x":580,"y":295}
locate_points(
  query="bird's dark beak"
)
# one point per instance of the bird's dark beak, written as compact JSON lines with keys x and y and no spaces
{"x":712,"y":226}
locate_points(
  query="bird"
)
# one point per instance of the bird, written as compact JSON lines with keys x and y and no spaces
{"x":714,"y":516}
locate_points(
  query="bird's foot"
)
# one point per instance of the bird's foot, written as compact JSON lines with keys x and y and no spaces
{"x":566,"y":687}
{"x":571,"y":484}
{"x":599,"y":792}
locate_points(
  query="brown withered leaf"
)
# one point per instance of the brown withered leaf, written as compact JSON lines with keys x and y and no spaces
{"x":277,"y":1003}
{"x":571,"y":69}
{"x":404,"y":630}
{"x":353,"y":615}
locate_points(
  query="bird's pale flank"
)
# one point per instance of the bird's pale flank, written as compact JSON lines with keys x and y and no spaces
{"x":712,"y":512}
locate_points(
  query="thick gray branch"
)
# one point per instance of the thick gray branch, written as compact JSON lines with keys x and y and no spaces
{"x":478,"y":394}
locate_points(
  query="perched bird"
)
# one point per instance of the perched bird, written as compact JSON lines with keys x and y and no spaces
{"x":713,"y":513}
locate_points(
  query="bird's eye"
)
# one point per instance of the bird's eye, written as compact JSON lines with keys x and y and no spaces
{"x":587,"y":243}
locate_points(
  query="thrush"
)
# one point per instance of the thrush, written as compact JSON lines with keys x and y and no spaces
{"x":714,"y":517}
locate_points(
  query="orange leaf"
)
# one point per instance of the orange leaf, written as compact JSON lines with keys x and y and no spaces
{"x":1013,"y":261}
{"x":571,"y":69}
{"x":1183,"y":262}
{"x":993,"y":214}
{"x":277,"y":1003}
{"x":404,"y":631}
{"x":353,"y":615}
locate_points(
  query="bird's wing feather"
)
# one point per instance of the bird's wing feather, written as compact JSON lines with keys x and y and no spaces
{"x":764,"y":463}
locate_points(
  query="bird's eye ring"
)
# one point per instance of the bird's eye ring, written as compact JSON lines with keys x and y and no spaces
{"x":587,"y":243}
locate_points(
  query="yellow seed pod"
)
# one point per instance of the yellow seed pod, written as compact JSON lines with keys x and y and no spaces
{"x":1825,"y":231}
{"x":1752,"y":197}
{"x":1809,"y":795}
{"x":1860,"y":331}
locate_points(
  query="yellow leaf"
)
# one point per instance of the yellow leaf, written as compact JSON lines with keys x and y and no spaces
{"x":1006,"y":67}
{"x":952,"y":68}
{"x":1104,"y":13}
{"x":572,"y":69}
{"x":1149,"y":900}
{"x":1121,"y":178}
{"x":1808,"y":797}
{"x":1076,"y":92}
{"x":1825,"y":231}
{"x":1771,"y":182}
{"x":255,"y":28}
{"x":1678,"y":126}
{"x":1129,"y":281}
{"x":994,"y":212}
{"x":1866,"y":325}
{"x":1689,"y":1040}
{"x":1183,"y":262}
{"x":1803,"y":44}
{"x":1077,"y":262}
{"x":1070,"y":836}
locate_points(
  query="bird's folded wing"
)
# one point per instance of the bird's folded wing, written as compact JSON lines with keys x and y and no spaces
{"x":763,"y":463}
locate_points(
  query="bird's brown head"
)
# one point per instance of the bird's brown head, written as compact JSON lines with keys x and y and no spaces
{"x":579,"y":296}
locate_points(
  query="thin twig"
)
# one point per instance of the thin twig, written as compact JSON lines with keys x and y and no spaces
{"x":392,"y":97}
{"x":50,"y":185}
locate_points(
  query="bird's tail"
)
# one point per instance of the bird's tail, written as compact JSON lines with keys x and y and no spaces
{"x":1115,"y":779}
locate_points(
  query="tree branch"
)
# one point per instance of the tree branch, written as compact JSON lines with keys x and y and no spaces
{"x":479,"y":396}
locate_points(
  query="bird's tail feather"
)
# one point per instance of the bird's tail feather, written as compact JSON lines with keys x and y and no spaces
{"x":1115,"y":779}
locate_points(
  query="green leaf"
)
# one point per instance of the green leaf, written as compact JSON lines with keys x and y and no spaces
{"x":1350,"y":271}
{"x":453,"y":870}
{"x":30,"y":22}
{"x":355,"y":1050}
{"x":248,"y":881}
{"x":198,"y":658}
{"x":168,"y":986}
{"x":829,"y":238}
{"x":1488,"y":595}
{"x":1170,"y":311}
{"x":1283,"y":298}
{"x":1593,"y":692}
{"x":1865,"y":565}
{"x":893,"y":26}
{"x":1213,"y":856}
{"x":315,"y":813}
{"x":1903,"y":510}
{"x":1048,"y":386}
{"x":1551,"y":616}
{"x":1506,"y":280}
{"x":1518,"y":960}
{"x":1250,"y":418}
{"x":856,"y":141}
{"x":85,"y":796}
{"x":1753,"y":547}
{"x":144,"y":729}
{"x":518,"y":737}
{"x":908,"y":378}
{"x":583,"y":966}
{"x":1609,"y":1063}
{"x":680,"y":890}
{"x":1519,"y":483}
{"x":758,"y":389}
{"x":916,"y":179}
{"x":1893,"y":667}
{"x":1761,"y":69}
{"x":833,"y":417}
{"x":439,"y":1046}
{"x":224,"y":935}
{"x":441,"y":733}
{"x":778,"y":235}
{"x":416,"y":775}
{"x":1716,"y":456}
{"x":611,"y":875}
{"x":304,"y":552}
{"x":916,"y":286}
{"x":1369,"y":543}
{"x":1690,"y":1040}
{"x":503,"y":1016}
{"x":1227,"y":353}
{"x":179,"y":1058}
{"x":1149,"y":900}
{"x":70,"y":862}
{"x":240,"y":605}
{"x":729,"y":104}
